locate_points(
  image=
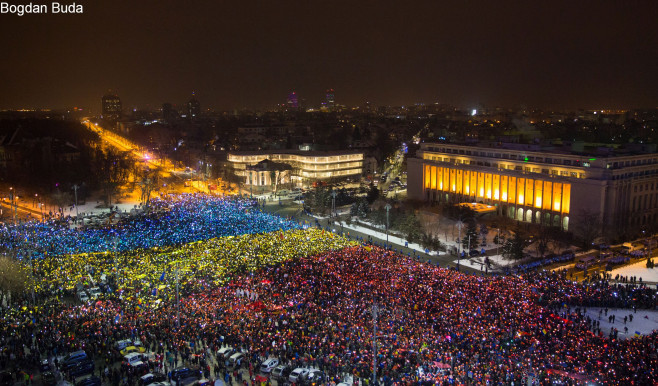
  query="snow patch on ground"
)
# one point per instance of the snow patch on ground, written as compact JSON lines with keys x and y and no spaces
{"x":638,"y":270}
{"x":644,"y":321}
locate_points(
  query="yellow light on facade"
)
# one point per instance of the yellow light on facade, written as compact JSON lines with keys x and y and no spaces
{"x":481,"y":192}
{"x":556,"y":206}
{"x":538,"y":202}
{"x":521,"y":199}
{"x":505,"y":196}
{"x":488,"y":193}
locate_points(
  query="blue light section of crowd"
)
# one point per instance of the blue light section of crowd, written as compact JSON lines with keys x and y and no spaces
{"x":171,"y":221}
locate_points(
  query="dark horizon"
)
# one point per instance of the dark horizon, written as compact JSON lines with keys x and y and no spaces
{"x":589,"y":55}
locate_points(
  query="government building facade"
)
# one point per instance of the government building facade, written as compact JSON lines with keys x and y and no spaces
{"x":539,"y":185}
{"x":304,"y":166}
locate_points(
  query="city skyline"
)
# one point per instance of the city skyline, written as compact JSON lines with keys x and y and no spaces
{"x":233,"y":56}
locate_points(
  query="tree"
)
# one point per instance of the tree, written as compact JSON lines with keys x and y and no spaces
{"x":515,"y":246}
{"x":148,"y":184}
{"x":373,"y":194}
{"x":541,"y":241}
{"x":471,"y":237}
{"x":587,"y":227}
{"x":113,"y":170}
{"x":430,"y":242}
{"x":411,"y":227}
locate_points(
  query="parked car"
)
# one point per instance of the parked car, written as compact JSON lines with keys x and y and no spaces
{"x":83,"y":368}
{"x":269,"y":365}
{"x":225,"y":352}
{"x":184,"y":372}
{"x":314,"y":377}
{"x":297,"y":374}
{"x":132,"y":349}
{"x":131,"y":359}
{"x":45,"y":365}
{"x":82,"y":297}
{"x":281,"y":372}
{"x":73,"y":359}
{"x":95,"y":292}
{"x":47,"y":378}
{"x":151,"y":378}
{"x":91,"y":381}
{"x":236,"y":360}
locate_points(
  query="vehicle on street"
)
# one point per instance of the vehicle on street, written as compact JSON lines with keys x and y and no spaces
{"x":225,"y":352}
{"x":94,"y":293}
{"x":45,"y":365}
{"x":269,"y":365}
{"x":132,"y":349}
{"x":183,"y":373}
{"x":90,"y":381}
{"x":82,"y":297}
{"x":132,"y":358}
{"x":47,"y":378}
{"x":281,"y":372}
{"x":151,"y":378}
{"x":314,"y":377}
{"x":73,"y":359}
{"x":120,"y":345}
{"x":83,"y":368}
{"x":297,"y":374}
{"x":236,"y":360}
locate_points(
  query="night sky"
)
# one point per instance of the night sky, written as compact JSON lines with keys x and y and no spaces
{"x":235,"y":54}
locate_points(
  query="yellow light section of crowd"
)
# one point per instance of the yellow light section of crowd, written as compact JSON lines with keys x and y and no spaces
{"x":541,"y":194}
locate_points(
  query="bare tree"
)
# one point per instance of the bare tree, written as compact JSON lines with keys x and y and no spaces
{"x":587,"y":227}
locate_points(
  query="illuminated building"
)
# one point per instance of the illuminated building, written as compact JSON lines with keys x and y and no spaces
{"x":193,"y":108}
{"x":111,"y":107}
{"x":306,"y":166}
{"x":549,"y":187}
{"x":329,"y":98}
{"x":292,"y":101}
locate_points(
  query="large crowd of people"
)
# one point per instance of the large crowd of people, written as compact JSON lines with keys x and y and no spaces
{"x":312,"y":298}
{"x":171,"y":220}
{"x":152,"y":272}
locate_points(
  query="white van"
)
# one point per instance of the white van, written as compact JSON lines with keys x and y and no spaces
{"x":236,"y":360}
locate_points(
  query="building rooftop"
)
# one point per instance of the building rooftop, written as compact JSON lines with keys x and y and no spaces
{"x":574,"y":148}
{"x":309,"y":153}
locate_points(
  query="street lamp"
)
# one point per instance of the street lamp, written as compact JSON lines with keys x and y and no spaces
{"x":375,"y":313}
{"x":460,"y":224}
{"x":75,"y":191}
{"x":333,"y":203}
{"x":388,"y":208}
{"x":498,"y":243}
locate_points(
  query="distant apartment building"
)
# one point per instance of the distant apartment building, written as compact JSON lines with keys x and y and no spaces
{"x":305,"y":166}
{"x":541,"y":186}
{"x":193,"y":108}
{"x":111,"y":107}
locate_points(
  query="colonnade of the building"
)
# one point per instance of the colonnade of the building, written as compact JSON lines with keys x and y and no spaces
{"x":521,"y":198}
